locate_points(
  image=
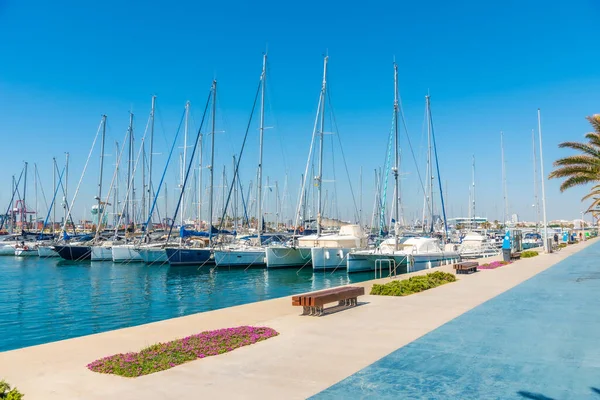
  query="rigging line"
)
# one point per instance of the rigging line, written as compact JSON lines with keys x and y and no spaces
{"x":437,"y":165}
{"x":343,"y":155}
{"x":237,"y":166}
{"x":187,"y":173}
{"x":308,"y":164}
{"x":410,"y":143}
{"x":274,"y":117}
{"x":66,"y":202}
{"x":52,"y":204}
{"x":102,"y":212}
{"x":383,"y":185}
{"x":40,"y":185}
{"x":64,"y":228}
{"x":130,"y":189}
{"x":12,"y":198}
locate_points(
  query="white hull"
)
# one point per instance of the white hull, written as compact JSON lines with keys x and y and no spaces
{"x":367,"y":261}
{"x":125,"y":253}
{"x":281,"y":257}
{"x":29,"y":252}
{"x":102,"y":253}
{"x":7,"y":250}
{"x":153,"y":255}
{"x":240,"y":258}
{"x":46,"y":252}
{"x":329,"y":257}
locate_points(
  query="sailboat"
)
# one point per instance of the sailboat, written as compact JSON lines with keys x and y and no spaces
{"x":245,"y":254}
{"x":82,"y":250}
{"x":406,"y":254}
{"x":196,"y":252}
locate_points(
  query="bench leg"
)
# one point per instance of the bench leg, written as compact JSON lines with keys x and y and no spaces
{"x":305,"y":310}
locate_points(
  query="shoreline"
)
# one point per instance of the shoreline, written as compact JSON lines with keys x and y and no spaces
{"x":310,"y":354}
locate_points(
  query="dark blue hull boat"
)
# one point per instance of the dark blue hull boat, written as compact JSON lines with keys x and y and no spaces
{"x":74,"y":253}
{"x":183,"y":256}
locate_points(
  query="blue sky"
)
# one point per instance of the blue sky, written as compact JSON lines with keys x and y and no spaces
{"x":488,"y":67}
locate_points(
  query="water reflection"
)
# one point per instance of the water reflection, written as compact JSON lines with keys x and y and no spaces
{"x":43,"y":300}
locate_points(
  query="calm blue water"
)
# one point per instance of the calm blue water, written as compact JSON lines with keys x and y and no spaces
{"x":44,"y":300}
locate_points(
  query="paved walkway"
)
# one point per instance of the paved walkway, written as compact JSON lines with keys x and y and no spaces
{"x":310,"y":354}
{"x":539,"y":340}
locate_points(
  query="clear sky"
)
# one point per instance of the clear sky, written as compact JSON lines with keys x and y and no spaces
{"x":488,"y":67}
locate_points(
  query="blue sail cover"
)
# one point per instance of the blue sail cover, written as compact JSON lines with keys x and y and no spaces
{"x":187,"y":233}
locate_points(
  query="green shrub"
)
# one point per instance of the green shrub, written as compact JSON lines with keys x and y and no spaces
{"x":562,"y":245}
{"x":6,"y":393}
{"x":414,"y":284}
{"x":529,"y":254}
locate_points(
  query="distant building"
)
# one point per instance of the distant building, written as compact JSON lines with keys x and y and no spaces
{"x":466,"y":221}
{"x":514,"y":218}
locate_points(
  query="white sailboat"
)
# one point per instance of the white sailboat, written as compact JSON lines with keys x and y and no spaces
{"x":253,"y":255}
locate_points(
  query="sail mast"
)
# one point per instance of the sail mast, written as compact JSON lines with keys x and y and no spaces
{"x":212,"y":162}
{"x":505,"y":195}
{"x":151,"y":152}
{"x":99,"y":197}
{"x":184,"y":165}
{"x":536,"y":201}
{"x":260,"y":149}
{"x":473,"y":196}
{"x":321,"y":139}
{"x":543,"y":185}
{"x":396,"y":158}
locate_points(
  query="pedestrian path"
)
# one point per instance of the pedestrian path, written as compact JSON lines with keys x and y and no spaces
{"x":538,"y":340}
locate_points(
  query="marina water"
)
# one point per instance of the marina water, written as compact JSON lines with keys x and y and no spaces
{"x":45,"y":300}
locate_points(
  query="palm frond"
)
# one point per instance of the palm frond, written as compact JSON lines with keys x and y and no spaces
{"x":594,"y":120}
{"x":576,"y":180}
{"x":592,"y":150}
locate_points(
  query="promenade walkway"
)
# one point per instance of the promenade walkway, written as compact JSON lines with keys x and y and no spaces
{"x":539,"y":340}
{"x":499,"y":348}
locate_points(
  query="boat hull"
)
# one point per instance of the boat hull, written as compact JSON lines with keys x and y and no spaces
{"x":101,"y":253}
{"x":125,"y":254}
{"x":240,"y":258}
{"x":182,"y":256}
{"x":7,"y":250}
{"x":329,"y":257}
{"x":74,"y":253}
{"x":47,"y":252}
{"x":362,"y":262}
{"x":282,"y":257}
{"x":28,"y":252}
{"x":154,"y":256}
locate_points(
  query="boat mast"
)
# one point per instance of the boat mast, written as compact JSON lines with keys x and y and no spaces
{"x":396,"y":158}
{"x":184,"y":166}
{"x":473,"y":195}
{"x":543,"y":186}
{"x":55,"y":188}
{"x":129,"y":168}
{"x":319,"y":179}
{"x":505,"y":194}
{"x":151,"y":152}
{"x":259,"y":215}
{"x":99,"y":196}
{"x":429,"y":164}
{"x":116,"y":194}
{"x":212,"y":162}
{"x":536,"y":201}
{"x":200,"y":191}
{"x":66,"y":204}
{"x":235,"y":198}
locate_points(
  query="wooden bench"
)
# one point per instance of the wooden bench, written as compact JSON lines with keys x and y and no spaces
{"x":466,"y":267}
{"x":313,"y":303}
{"x":515,"y":256}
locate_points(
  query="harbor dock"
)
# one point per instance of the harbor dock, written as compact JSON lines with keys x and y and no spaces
{"x":311,"y":356}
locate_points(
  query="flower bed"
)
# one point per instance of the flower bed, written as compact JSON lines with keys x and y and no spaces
{"x":412,"y":285}
{"x":494,"y":265}
{"x":162,"y":356}
{"x":529,"y":254}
